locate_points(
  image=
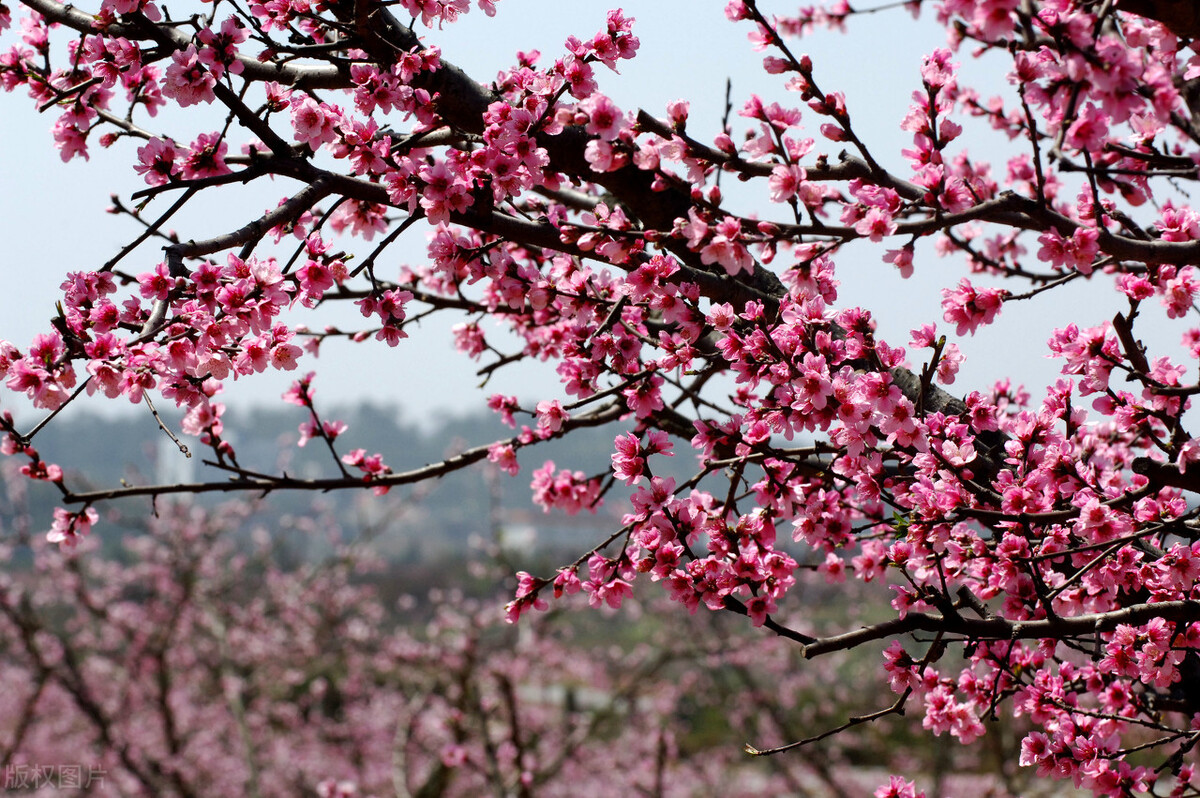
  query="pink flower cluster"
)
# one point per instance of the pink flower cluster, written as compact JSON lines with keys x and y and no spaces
{"x":569,"y":491}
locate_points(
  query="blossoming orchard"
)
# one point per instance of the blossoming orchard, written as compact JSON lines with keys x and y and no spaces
{"x":1040,"y":549}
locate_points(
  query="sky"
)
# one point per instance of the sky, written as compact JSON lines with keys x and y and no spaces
{"x":53,"y":215}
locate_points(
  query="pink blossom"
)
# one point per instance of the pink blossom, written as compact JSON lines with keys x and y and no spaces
{"x":157,"y":161}
{"x":949,"y":363}
{"x":785,"y":182}
{"x":156,"y":284}
{"x":1077,"y":252}
{"x":1178,"y":224}
{"x":550,"y":416}
{"x":627,"y":461}
{"x":569,"y":491}
{"x":219,"y":52}
{"x":968,"y":307}
{"x":69,"y":140}
{"x":527,"y":597}
{"x":604,"y":118}
{"x":204,"y":158}
{"x":186,"y":81}
{"x":1179,"y":291}
{"x":875,"y":224}
{"x":69,"y":528}
{"x":505,"y":457}
{"x":314,"y":123}
{"x":898,"y":788}
{"x":1089,"y":129}
{"x":285,"y":356}
{"x":315,"y":279}
{"x":902,"y":259}
{"x":937,"y":70}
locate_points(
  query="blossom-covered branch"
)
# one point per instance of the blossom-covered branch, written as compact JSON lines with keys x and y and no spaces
{"x":1047,"y":539}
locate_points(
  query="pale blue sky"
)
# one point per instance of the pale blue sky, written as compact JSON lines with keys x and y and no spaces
{"x":53,"y":220}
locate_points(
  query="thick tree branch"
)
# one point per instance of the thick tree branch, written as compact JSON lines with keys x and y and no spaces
{"x":996,"y":628}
